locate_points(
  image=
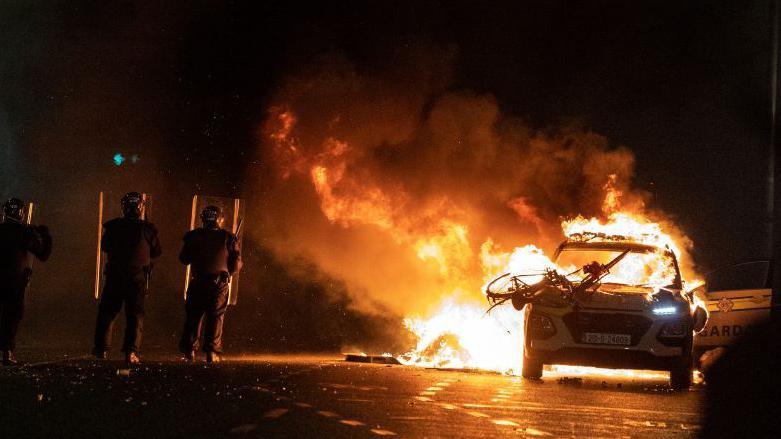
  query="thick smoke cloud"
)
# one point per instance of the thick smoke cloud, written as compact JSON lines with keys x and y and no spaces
{"x":392,"y":179}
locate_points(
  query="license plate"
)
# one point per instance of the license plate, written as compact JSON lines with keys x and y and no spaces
{"x":601,"y":338}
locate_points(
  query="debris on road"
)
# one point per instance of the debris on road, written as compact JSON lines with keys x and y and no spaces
{"x":576,"y":381}
{"x":374,"y":359}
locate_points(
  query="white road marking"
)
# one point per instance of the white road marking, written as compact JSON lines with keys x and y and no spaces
{"x":423,"y":398}
{"x":534,"y":432}
{"x":327,"y":414}
{"x":505,"y":401}
{"x":381,"y":432}
{"x":61,"y":360}
{"x":350,"y":386}
{"x":645,"y":423}
{"x":303,"y":405}
{"x":690,"y":427}
{"x":504,"y":422}
{"x":243,"y":429}
{"x":477,"y":414}
{"x":274,"y":414}
{"x":448,"y":406}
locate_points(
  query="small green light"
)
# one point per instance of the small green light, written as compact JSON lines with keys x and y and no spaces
{"x":119,"y":159}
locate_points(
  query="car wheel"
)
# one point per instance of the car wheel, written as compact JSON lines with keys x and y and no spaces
{"x":532,"y":369}
{"x":681,"y":373}
{"x":681,"y":377}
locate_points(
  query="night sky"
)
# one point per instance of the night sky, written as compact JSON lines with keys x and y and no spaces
{"x":185,"y":87}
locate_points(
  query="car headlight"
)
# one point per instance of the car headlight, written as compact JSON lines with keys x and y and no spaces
{"x":665,"y":310}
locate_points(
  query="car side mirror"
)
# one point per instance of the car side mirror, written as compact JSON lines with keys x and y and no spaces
{"x":700,"y":318}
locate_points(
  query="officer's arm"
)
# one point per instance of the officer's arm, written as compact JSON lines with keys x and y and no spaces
{"x":39,"y":242}
{"x":186,"y":255}
{"x":155,"y":249}
{"x":234,"y":255}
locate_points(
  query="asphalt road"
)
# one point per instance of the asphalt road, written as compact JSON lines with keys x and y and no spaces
{"x":299,"y":396}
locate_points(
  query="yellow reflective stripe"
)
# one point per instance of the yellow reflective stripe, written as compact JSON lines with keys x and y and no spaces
{"x":744,"y":303}
{"x":716,"y":295}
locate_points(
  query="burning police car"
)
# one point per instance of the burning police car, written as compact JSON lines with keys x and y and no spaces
{"x":608,"y":302}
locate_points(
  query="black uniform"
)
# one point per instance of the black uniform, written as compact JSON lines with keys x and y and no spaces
{"x":215,"y":256}
{"x":130,"y":244}
{"x":18,"y":243}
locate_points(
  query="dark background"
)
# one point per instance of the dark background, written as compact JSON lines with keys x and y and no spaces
{"x":684,"y":85}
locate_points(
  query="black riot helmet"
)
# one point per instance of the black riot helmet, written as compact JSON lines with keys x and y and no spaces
{"x":212,"y":218}
{"x":133,"y":205}
{"x":13,"y":209}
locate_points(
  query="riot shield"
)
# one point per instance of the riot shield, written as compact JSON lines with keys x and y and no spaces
{"x":105,"y":214}
{"x":28,"y":217}
{"x":233,"y":212}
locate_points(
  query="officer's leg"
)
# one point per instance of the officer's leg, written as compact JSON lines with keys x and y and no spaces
{"x":194,"y":311}
{"x":12,"y":312}
{"x":215,"y":316}
{"x":4,"y":295}
{"x":134,"y":315}
{"x":109,"y":307}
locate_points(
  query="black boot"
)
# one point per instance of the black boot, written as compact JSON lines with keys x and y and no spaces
{"x":9,"y":359}
{"x":100,"y":355}
{"x":189,"y":356}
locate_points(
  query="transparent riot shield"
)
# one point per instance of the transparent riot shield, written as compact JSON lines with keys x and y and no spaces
{"x":28,"y":217}
{"x":109,"y":207}
{"x":28,"y":220}
{"x":233,"y":213}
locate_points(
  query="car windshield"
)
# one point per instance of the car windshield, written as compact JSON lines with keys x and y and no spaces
{"x":635,"y":269}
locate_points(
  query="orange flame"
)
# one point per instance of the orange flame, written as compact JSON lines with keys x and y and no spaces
{"x":459,"y":333}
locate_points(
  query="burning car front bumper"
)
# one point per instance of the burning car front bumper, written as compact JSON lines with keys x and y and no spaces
{"x":606,"y":338}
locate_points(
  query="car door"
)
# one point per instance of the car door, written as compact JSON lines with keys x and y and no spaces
{"x":738,"y":299}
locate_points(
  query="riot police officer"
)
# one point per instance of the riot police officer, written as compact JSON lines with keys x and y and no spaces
{"x":130,"y":243}
{"x":17,"y":242}
{"x":214,"y":256}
